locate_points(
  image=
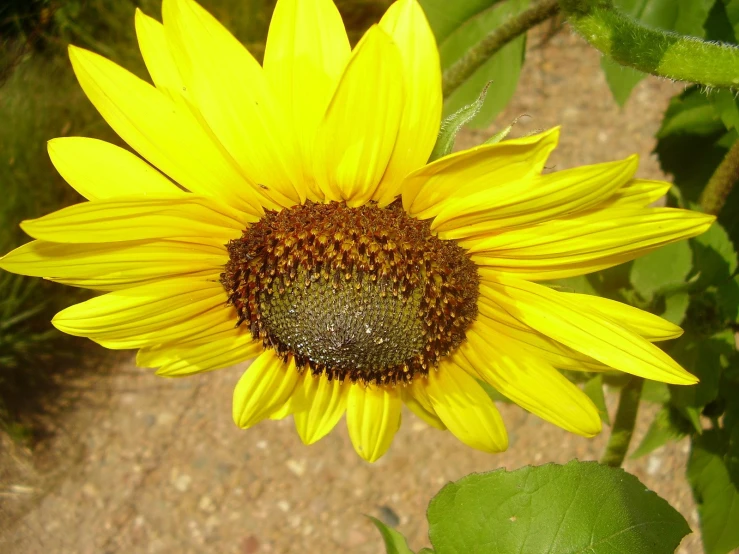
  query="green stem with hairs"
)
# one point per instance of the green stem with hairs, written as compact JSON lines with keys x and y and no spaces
{"x":623,"y":425}
{"x":721,"y":182}
{"x":497,"y":39}
{"x":662,"y":53}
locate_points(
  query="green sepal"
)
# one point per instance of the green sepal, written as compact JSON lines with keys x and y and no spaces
{"x":452,"y":125}
{"x":395,"y":543}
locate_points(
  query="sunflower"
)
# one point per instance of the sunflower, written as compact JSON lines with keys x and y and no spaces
{"x":287,"y":216}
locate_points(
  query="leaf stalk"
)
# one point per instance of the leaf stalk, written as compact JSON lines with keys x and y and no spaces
{"x":476,"y":56}
{"x":662,"y":53}
{"x":719,"y":186}
{"x":623,"y":425}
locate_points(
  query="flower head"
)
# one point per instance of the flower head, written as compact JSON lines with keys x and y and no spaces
{"x":285,"y":215}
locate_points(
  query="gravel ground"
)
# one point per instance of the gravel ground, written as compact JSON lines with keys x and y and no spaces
{"x":144,"y":464}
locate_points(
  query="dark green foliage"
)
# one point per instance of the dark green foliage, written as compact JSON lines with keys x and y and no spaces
{"x":715,"y":493}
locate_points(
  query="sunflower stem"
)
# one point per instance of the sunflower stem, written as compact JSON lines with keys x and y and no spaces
{"x":661,"y":53}
{"x":494,"y":41}
{"x":623,"y":425}
{"x":721,"y":182}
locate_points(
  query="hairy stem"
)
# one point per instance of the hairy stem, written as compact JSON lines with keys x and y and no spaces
{"x":497,"y":39}
{"x":623,"y":425}
{"x":661,"y":53}
{"x":721,"y":182}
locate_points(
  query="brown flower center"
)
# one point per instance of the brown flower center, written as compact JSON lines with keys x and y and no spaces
{"x":366,"y":293}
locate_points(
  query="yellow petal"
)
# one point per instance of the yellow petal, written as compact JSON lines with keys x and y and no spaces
{"x":530,"y":382}
{"x":307,"y":49}
{"x":144,"y":310}
{"x":407,"y":25}
{"x":218,"y":323}
{"x":211,"y":355}
{"x":139,"y":218}
{"x":266,"y":385}
{"x":201,"y":324}
{"x":651,"y":327}
{"x":556,"y":354}
{"x":551,"y":313}
{"x":325,"y":403}
{"x":638,"y":193}
{"x":161,"y":131}
{"x":372,"y":417}
{"x":158,"y":58}
{"x":110,"y":266}
{"x":586,"y":243}
{"x":357,"y":135}
{"x":465,"y":408}
{"x":414,"y":396}
{"x":230,"y":90}
{"x":532,"y":200}
{"x":98,"y":170}
{"x":426,"y":190}
{"x":286,"y":409}
{"x":164,"y":352}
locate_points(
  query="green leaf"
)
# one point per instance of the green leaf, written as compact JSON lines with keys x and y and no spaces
{"x":693,"y":415}
{"x":714,"y":256}
{"x":444,"y":17}
{"x":577,"y":507}
{"x":686,"y":17}
{"x":730,"y":392}
{"x":667,"y":426}
{"x":594,"y":389}
{"x":705,"y":358}
{"x":503,"y":69}
{"x":655,"y":392}
{"x":665,"y":267}
{"x":726,"y":107}
{"x":716,"y":496}
{"x":690,"y":113}
{"x":394,"y":542}
{"x":728,"y":300}
{"x":692,"y":142}
{"x":621,"y":79}
{"x":452,"y":125}
{"x":732,"y":456}
{"x":722,"y":24}
{"x":675,"y":307}
{"x":732,"y":13}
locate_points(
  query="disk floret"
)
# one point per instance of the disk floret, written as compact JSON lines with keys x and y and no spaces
{"x":366,"y":293}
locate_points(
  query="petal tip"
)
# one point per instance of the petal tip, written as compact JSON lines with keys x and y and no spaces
{"x":76,"y":52}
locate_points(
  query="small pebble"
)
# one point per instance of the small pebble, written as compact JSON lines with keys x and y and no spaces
{"x":206,"y":504}
{"x":250,"y":545}
{"x":296,"y":466}
{"x":182,"y":483}
{"x":654,"y":463}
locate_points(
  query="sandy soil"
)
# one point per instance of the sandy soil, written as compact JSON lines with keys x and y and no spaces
{"x":145,"y":464}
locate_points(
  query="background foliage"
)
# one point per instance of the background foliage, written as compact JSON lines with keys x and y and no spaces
{"x":693,"y":283}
